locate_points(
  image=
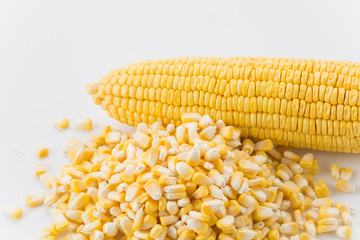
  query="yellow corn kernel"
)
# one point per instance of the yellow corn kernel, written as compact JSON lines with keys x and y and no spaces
{"x":292,"y":156}
{"x":53,"y":229}
{"x":156,"y":231}
{"x":298,"y":218}
{"x":227,"y":132}
{"x":84,"y":124}
{"x":62,"y":123}
{"x":168,"y":220}
{"x":345,"y":186}
{"x":307,"y":160}
{"x":41,"y":151}
{"x":326,"y":228}
{"x":152,"y":187}
{"x":262,"y":213}
{"x":61,"y":222}
{"x":35,"y":200}
{"x":344,"y":232}
{"x":274,"y":234}
{"x":197,"y":226}
{"x":51,"y":237}
{"x":264,"y":145}
{"x":320,"y":202}
{"x":74,"y":215}
{"x":149,"y":221}
{"x":335,"y":173}
{"x":77,"y":186}
{"x":126,"y":225}
{"x":39,"y":169}
{"x":342,"y":207}
{"x":151,"y":205}
{"x":305,"y":236}
{"x":14,"y":212}
{"x":190,"y":117}
{"x":208,"y":133}
{"x":345,"y":173}
{"x":315,"y":167}
{"x":289,"y":229}
{"x":327,"y":221}
{"x":188,"y":234}
{"x":321,"y":189}
{"x":328,"y":212}
{"x":226,"y":224}
{"x":295,"y":200}
{"x":79,"y":201}
{"x":185,"y":210}
{"x":201,"y":192}
{"x":184,"y":170}
{"x":346,"y":218}
{"x":247,"y":234}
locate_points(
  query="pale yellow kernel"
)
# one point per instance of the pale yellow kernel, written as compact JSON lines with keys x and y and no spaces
{"x":41,"y":151}
{"x":62,"y":123}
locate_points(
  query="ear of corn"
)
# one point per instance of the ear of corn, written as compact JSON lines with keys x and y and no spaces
{"x":295,"y":102}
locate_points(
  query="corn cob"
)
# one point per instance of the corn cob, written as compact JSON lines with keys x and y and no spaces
{"x":295,"y":102}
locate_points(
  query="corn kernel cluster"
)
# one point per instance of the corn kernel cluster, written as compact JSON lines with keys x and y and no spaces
{"x":194,"y":181}
{"x":342,"y":177}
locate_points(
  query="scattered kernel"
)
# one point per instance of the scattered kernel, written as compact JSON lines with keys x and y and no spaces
{"x":62,"y":123}
{"x":14,"y":212}
{"x":84,"y":124}
{"x":41,"y":151}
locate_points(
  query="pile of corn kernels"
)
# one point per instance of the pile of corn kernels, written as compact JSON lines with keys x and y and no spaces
{"x":194,"y":181}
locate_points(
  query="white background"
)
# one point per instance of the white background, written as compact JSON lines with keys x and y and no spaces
{"x":50,"y":50}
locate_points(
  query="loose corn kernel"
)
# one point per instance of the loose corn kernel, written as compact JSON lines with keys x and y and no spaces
{"x":327,"y":221}
{"x":321,"y":189}
{"x":39,"y":169}
{"x":84,"y":124}
{"x":262,"y":213}
{"x":346,"y":218}
{"x":342,"y":207}
{"x":344,"y":186}
{"x":246,"y":234}
{"x":264,"y":145}
{"x":168,"y":220}
{"x":14,"y":212}
{"x":61,"y":222}
{"x":289,"y":229}
{"x":274,"y":234}
{"x":47,"y":179}
{"x":328,"y":212}
{"x":320,"y":202}
{"x":326,"y":228}
{"x":310,"y":227}
{"x":79,"y":201}
{"x":110,"y":229}
{"x":344,"y":232}
{"x":335,"y":172}
{"x":62,"y":123}
{"x":307,"y":160}
{"x":156,"y":231}
{"x":345,"y":173}
{"x":305,"y":236}
{"x":41,"y":151}
{"x":152,"y":187}
{"x":35,"y":200}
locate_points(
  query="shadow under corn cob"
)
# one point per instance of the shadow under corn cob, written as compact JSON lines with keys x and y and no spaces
{"x":295,"y":102}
